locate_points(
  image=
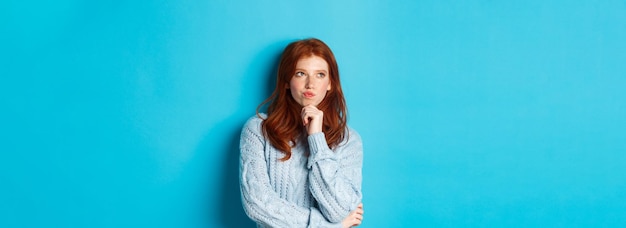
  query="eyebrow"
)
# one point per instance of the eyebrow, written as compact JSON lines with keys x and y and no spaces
{"x":300,"y":69}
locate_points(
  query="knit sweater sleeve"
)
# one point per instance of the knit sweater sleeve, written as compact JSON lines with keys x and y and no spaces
{"x":335,"y":176}
{"x":261,"y":203}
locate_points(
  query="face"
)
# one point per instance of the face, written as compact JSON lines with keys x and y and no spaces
{"x":311,"y":81}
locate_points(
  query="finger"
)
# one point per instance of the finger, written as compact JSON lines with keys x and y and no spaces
{"x":305,"y":116}
{"x":311,"y":107}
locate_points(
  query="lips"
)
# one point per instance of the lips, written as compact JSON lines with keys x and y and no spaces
{"x":308,"y":94}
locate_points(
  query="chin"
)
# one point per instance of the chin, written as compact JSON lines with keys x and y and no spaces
{"x":305,"y":102}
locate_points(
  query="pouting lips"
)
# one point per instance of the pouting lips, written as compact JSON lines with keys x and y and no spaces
{"x":308,"y":94}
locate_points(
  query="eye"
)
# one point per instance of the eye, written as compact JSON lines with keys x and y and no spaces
{"x":321,"y":75}
{"x":300,"y":74}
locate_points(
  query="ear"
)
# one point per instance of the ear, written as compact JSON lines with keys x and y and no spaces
{"x":286,"y":85}
{"x":329,"y":87}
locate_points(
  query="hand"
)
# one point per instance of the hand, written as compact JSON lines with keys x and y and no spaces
{"x":312,"y":119}
{"x":354,"y":218}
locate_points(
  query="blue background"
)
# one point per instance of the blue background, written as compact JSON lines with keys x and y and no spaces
{"x":472,"y":113}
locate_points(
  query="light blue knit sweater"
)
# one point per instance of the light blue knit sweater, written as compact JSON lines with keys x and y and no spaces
{"x":319,"y":190}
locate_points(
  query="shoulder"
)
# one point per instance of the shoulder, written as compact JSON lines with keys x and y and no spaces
{"x":351,"y":138}
{"x":251,"y":133}
{"x":352,"y":134}
{"x":252,"y":127}
{"x":351,"y":146}
{"x":255,"y":121}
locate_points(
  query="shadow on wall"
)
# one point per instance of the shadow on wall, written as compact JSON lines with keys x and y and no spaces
{"x":231,"y":211}
{"x":265,"y":66}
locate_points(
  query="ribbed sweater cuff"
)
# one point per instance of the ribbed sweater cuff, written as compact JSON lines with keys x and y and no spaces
{"x":319,"y":148}
{"x":317,"y":142}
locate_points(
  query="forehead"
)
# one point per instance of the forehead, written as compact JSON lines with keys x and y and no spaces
{"x":313,"y":62}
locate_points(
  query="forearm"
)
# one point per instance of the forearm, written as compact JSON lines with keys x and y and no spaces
{"x":265,"y":207}
{"x":335,"y":176}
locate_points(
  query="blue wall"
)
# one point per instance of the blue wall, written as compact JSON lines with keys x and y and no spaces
{"x":473,"y":113}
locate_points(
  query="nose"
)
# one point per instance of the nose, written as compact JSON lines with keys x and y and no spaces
{"x":308,"y":84}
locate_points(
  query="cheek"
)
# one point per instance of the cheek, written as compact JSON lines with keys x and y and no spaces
{"x":326,"y":85}
{"x":323,"y":89}
{"x":294,"y":84}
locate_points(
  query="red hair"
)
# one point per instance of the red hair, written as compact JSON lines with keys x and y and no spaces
{"x":283,"y":124}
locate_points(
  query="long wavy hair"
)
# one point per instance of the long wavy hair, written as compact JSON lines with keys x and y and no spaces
{"x":283,"y":124}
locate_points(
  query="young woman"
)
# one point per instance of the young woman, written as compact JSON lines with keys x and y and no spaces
{"x":300,"y":163}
